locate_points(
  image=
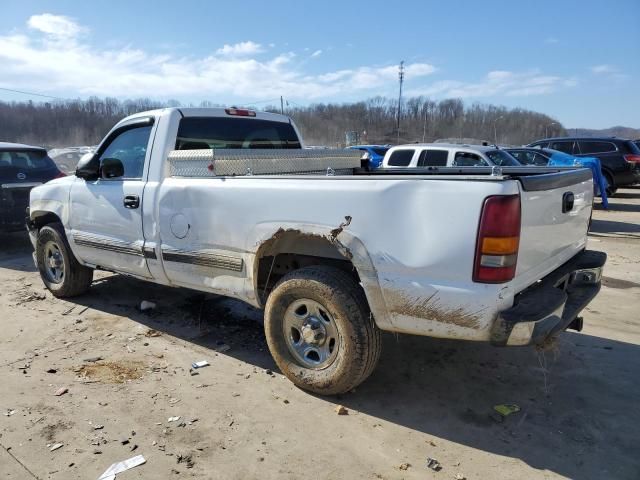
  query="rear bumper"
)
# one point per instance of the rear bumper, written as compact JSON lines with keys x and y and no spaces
{"x":551,"y":305}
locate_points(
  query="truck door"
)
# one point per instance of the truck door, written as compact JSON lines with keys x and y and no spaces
{"x":105,"y":214}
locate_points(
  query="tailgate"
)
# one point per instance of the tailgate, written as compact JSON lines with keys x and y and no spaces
{"x":551,"y":232}
{"x":14,"y":200}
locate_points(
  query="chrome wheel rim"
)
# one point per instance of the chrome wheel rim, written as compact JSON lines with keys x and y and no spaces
{"x":311,"y":334}
{"x":53,"y":262}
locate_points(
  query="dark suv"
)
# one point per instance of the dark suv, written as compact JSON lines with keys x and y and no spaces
{"x":22,"y":167}
{"x":619,"y":158}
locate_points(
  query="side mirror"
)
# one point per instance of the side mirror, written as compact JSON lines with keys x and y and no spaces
{"x":112,"y":168}
{"x":88,"y":167}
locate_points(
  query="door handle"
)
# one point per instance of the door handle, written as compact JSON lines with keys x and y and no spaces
{"x":131,"y":201}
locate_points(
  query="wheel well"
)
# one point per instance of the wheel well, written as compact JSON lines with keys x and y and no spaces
{"x":43,"y":219}
{"x":290,"y":250}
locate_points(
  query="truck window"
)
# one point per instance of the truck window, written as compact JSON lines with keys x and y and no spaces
{"x":467,"y":159}
{"x":433,"y":158}
{"x":130,"y":147}
{"x":197,"y":133}
{"x":401,"y":158}
{"x":502,"y":158}
{"x":588,"y":146}
{"x":565,"y":146}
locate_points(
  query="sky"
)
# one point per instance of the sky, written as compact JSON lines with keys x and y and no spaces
{"x":577,"y":61}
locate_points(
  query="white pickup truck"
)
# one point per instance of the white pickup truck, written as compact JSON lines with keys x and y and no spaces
{"x":226,"y":201}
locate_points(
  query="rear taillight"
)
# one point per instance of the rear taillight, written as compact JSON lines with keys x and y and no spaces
{"x":632,"y":158}
{"x":498,"y":240}
{"x":240,"y":112}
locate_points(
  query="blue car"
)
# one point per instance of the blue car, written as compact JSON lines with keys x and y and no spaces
{"x":22,"y":167}
{"x":374,"y":153}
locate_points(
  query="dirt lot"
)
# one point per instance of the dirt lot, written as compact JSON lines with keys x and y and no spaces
{"x":579,"y":413}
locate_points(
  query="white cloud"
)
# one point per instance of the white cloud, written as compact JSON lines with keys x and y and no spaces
{"x":551,"y":40}
{"x":317,"y":53}
{"x":240,"y":49}
{"x":55,"y":25}
{"x":499,"y":82}
{"x":56,"y":59}
{"x":603,"y":69}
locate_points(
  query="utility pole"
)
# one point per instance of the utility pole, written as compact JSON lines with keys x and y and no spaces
{"x":495,"y":132}
{"x":546,"y":129}
{"x":401,"y":78}
{"x":281,"y":105}
{"x":424,"y":125}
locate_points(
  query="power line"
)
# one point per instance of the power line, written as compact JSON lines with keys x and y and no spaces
{"x":30,"y":93}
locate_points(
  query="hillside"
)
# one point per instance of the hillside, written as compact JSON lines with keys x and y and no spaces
{"x":619,"y":131}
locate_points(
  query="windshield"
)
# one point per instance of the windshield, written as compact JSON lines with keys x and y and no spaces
{"x":196,"y":133}
{"x":502,"y":158}
{"x":25,"y":159}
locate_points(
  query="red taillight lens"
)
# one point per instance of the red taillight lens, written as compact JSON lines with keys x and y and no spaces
{"x":498,"y":240}
{"x":240,"y":112}
{"x":632,"y":158}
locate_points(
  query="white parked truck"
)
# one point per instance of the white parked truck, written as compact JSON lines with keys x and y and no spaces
{"x":227,"y":201}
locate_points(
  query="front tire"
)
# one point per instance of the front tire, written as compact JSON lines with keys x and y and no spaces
{"x":320,"y":330}
{"x":59,"y":269}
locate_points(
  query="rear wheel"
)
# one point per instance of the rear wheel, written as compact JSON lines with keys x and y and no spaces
{"x":59,"y":269}
{"x":609,"y":184}
{"x":320,"y":331}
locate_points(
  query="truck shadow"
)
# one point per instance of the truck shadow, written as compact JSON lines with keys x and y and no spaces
{"x":577,"y":415}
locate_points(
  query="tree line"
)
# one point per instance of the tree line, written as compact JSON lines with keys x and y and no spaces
{"x":375,"y":120}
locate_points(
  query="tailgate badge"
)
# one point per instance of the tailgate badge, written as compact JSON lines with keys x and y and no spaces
{"x":21,"y":176}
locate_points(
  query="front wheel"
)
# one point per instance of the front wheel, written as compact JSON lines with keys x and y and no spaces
{"x":59,"y":268}
{"x":320,"y":331}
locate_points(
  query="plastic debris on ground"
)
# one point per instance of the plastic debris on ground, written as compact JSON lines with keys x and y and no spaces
{"x":61,"y":391}
{"x":433,"y":464}
{"x":506,"y":409}
{"x":119,"y":467}
{"x":200,"y":364}
{"x":173,"y":419}
{"x":146,"y":305}
{"x":55,"y":446}
{"x":8,"y":413}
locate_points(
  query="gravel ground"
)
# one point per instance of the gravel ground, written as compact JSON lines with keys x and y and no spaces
{"x":128,"y":372}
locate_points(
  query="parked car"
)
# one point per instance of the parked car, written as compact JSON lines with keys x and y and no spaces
{"x":22,"y":167}
{"x":541,"y":157}
{"x":446,"y":155}
{"x":66,"y":159}
{"x":619,"y":158}
{"x":373,"y":153}
{"x":468,"y":256}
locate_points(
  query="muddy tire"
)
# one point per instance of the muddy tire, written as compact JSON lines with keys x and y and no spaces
{"x":59,"y":268}
{"x":320,"y":331}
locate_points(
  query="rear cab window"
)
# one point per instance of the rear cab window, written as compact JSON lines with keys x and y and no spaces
{"x":468,"y":159}
{"x":197,"y":133}
{"x":433,"y":158}
{"x":401,"y":157}
{"x":25,"y":160}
